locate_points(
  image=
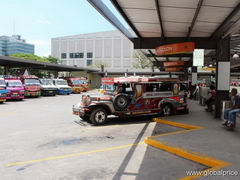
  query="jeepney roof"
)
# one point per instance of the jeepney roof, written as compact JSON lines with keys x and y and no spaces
{"x":144,"y":79}
{"x":29,"y":77}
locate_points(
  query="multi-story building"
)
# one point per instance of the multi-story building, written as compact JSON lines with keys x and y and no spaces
{"x":14,"y":44}
{"x":109,"y":48}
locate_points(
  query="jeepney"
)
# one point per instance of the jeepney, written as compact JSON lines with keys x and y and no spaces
{"x":132,"y":96}
{"x":62,"y":87}
{"x":15,"y":88}
{"x":47,"y":87}
{"x":31,"y":85}
{"x":78,"y":85}
{"x":3,"y":91}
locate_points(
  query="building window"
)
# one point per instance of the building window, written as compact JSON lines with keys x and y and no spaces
{"x":89,"y":55}
{"x":89,"y":62}
{"x":76,"y":55}
{"x":64,"y":55}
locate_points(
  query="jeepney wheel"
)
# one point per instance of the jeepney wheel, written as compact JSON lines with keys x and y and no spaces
{"x":166,"y":110}
{"x":121,"y":102}
{"x":98,"y":116}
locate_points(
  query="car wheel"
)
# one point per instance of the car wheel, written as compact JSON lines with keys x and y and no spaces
{"x":98,"y":116}
{"x":166,"y":110}
{"x":121,"y":102}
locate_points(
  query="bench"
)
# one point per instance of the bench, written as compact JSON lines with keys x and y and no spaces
{"x":226,"y":105}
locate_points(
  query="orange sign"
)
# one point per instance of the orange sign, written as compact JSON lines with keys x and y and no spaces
{"x":173,"y":63}
{"x":175,"y":48}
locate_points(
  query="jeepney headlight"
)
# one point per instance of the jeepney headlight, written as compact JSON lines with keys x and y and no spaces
{"x":86,"y":100}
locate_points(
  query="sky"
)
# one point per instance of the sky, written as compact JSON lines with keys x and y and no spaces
{"x":38,"y":21}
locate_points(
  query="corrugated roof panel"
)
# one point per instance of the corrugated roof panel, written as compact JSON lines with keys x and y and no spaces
{"x":150,"y":34}
{"x":148,"y":27}
{"x":146,"y":4}
{"x":223,"y":3}
{"x":213,"y":14}
{"x":179,"y":3}
{"x":139,"y":15}
{"x":177,"y":14}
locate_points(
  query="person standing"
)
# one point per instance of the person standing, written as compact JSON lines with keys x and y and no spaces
{"x":210,"y":101}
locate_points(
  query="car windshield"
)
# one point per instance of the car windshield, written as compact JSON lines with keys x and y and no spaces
{"x":61,"y":82}
{"x":31,"y":82}
{"x":46,"y":82}
{"x":2,"y":83}
{"x":14,"y":83}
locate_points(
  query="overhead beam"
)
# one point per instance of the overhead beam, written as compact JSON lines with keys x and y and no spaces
{"x":228,"y":22}
{"x":153,"y":42}
{"x":160,"y":18}
{"x":157,"y":63}
{"x":120,"y":10}
{"x":200,"y":2}
{"x":107,"y":14}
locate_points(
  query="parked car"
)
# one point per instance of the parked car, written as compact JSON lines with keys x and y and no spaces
{"x":15,"y":88}
{"x":78,"y":84}
{"x":132,"y":96}
{"x":62,"y":86}
{"x":31,"y":86}
{"x":3,"y":90}
{"x":47,"y":87}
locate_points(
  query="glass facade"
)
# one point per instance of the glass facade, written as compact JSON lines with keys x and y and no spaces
{"x":13,"y":45}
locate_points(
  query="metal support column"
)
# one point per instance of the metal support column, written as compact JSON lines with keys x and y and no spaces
{"x":222,"y":74}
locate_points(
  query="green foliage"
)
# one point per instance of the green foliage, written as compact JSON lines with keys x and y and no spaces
{"x":1,"y":70}
{"x":52,"y":59}
{"x":30,"y":57}
{"x":39,"y":73}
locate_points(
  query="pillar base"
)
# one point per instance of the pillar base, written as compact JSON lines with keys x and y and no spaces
{"x":220,"y":96}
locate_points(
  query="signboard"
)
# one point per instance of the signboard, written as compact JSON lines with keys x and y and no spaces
{"x":177,"y":48}
{"x":174,"y":69}
{"x":173,"y":63}
{"x":223,"y":76}
{"x":198,"y":57}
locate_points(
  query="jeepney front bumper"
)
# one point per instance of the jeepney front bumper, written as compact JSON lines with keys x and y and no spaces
{"x":79,"y":110}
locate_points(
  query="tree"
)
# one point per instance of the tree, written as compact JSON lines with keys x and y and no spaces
{"x":53,"y":59}
{"x":99,"y":64}
{"x":142,"y":61}
{"x":39,"y":73}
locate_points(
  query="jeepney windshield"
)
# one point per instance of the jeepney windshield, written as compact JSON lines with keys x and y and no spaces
{"x":78,"y":81}
{"x":46,"y":82}
{"x":31,"y":82}
{"x":2,"y":83}
{"x":14,"y":83}
{"x":61,"y":82}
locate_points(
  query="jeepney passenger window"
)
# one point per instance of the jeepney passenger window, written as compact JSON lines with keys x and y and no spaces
{"x":152,"y":87}
{"x":166,"y":87}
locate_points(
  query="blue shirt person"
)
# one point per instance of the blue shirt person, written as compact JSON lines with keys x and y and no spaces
{"x":230,"y":114}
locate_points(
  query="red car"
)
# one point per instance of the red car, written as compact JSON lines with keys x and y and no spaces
{"x":131,"y":96}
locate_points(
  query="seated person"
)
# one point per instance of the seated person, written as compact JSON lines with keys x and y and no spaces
{"x":210,"y":101}
{"x":230,"y":114}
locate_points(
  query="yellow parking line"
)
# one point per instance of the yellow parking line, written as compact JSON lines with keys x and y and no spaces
{"x":73,"y":154}
{"x":210,"y":162}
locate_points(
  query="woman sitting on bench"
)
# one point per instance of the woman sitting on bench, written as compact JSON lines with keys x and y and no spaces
{"x":230,"y":114}
{"x":211,"y":100}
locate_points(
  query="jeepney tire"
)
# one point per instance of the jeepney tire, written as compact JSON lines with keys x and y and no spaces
{"x":1,"y":102}
{"x":121,"y":102}
{"x":98,"y":116}
{"x":166,"y":109}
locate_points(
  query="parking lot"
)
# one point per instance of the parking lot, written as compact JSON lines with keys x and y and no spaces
{"x":41,"y":139}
